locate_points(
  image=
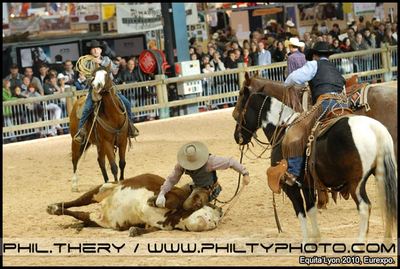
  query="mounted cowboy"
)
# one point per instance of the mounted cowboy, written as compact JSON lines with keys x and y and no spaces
{"x":96,"y":48}
{"x":195,"y":160}
{"x":327,"y":90}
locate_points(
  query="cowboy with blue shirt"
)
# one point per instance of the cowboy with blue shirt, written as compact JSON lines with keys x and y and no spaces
{"x":326,"y":81}
{"x":96,"y":49}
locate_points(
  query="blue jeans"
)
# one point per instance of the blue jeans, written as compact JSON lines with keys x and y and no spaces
{"x":88,"y":108}
{"x":295,"y":164}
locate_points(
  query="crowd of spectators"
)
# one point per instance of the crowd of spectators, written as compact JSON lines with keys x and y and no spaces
{"x":224,"y":51}
{"x":268,"y":46}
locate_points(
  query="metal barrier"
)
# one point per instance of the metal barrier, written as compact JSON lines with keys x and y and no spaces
{"x":45,"y":114}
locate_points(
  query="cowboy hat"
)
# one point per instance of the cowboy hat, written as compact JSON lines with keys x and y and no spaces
{"x":294,"y":41}
{"x":290,"y":23}
{"x":193,"y":155}
{"x":215,"y":35}
{"x":95,"y":44}
{"x":322,"y":47}
{"x":271,"y":21}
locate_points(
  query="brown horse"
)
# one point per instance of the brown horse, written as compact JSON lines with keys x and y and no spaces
{"x":108,"y":131}
{"x":382,"y":100}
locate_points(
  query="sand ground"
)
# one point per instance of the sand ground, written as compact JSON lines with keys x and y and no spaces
{"x":37,"y":173}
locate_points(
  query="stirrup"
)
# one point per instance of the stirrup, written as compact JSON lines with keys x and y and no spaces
{"x":80,"y":136}
{"x":133,"y":131}
{"x":290,"y":179}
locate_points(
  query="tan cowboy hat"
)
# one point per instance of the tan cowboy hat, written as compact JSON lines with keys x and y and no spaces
{"x":294,"y":41}
{"x":290,"y":23}
{"x":193,"y":155}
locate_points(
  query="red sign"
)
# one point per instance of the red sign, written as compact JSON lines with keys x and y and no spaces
{"x":147,"y":62}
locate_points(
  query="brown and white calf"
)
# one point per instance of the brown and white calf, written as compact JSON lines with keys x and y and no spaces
{"x":129,"y":204}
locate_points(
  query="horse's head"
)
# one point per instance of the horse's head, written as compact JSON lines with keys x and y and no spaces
{"x":247,"y":114}
{"x":101,"y":81}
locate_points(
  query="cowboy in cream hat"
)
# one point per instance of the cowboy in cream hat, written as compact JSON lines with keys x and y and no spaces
{"x":296,"y":59}
{"x":195,"y":160}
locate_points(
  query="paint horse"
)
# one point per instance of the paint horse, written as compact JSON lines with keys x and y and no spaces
{"x":363,"y":140}
{"x":108,"y":130}
{"x":381,"y":99}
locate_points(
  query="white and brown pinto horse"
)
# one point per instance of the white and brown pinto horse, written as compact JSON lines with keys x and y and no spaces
{"x":381,"y":99}
{"x":363,"y":140}
{"x":129,"y":204}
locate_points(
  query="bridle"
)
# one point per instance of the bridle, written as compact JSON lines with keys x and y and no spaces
{"x":241,"y":121}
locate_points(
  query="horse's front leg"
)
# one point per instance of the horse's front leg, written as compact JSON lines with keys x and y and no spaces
{"x":109,"y":151}
{"x":293,"y":192}
{"x":310,"y":198}
{"x":101,"y":159}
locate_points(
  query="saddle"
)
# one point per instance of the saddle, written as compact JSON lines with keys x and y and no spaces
{"x":357,"y":93}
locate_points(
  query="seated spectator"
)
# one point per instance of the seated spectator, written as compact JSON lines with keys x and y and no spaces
{"x":280,"y":53}
{"x":369,"y":38}
{"x":207,"y":68}
{"x":52,"y":87}
{"x":264,"y":56}
{"x":230,"y":61}
{"x":379,"y":34}
{"x":69,"y":72}
{"x":18,"y":92}
{"x":388,"y":38}
{"x":246,"y":57}
{"x":130,"y":74}
{"x":335,"y":32}
{"x":43,"y":74}
{"x":359,"y":43}
{"x":25,"y":83}
{"x":205,"y":60}
{"x":34,"y":80}
{"x":81,"y":82}
{"x":238,"y":56}
{"x":296,"y":59}
{"x":346,"y":45}
{"x":199,"y":52}
{"x":216,"y":62}
{"x":253,"y":53}
{"x":7,"y":110}
{"x":193,"y":57}
{"x":14,"y":77}
{"x":336,"y":46}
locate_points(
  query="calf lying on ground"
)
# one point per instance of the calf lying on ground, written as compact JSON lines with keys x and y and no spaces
{"x":128,"y":205}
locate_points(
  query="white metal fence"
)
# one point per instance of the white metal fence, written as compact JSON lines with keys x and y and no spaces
{"x":154,"y":99}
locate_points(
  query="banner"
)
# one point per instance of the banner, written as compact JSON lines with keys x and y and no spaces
{"x":23,"y":24}
{"x":361,"y":8}
{"x":138,"y":18}
{"x":108,"y":11}
{"x":191,"y":13}
{"x":84,"y":12}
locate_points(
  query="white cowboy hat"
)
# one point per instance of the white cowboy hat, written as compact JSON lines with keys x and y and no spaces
{"x":294,"y":41}
{"x":215,"y":35}
{"x":290,"y":23}
{"x":193,"y":155}
{"x":62,"y":76}
{"x":271,"y":21}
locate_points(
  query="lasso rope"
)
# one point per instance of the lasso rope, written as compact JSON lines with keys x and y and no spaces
{"x":86,"y":65}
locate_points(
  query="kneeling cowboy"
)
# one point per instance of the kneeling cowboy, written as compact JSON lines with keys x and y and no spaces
{"x":96,"y":49}
{"x":195,"y":160}
{"x":326,"y":84}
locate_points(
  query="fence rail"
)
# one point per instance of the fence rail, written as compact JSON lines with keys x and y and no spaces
{"x":155,"y":99}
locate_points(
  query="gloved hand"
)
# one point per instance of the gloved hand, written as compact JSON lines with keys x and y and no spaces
{"x":246,"y":179}
{"x":160,"y":202}
{"x":108,"y":51}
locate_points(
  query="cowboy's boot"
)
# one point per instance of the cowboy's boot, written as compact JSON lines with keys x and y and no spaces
{"x":80,"y":136}
{"x":132,"y":130}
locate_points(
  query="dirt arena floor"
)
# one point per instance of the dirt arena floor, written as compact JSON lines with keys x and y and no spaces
{"x":37,"y":173}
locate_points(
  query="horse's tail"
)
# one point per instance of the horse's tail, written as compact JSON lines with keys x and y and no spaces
{"x":386,"y":170}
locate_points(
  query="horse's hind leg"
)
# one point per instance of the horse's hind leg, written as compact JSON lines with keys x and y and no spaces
{"x":76,"y":154}
{"x":122,"y":163}
{"x":309,"y":196}
{"x":364,"y":208}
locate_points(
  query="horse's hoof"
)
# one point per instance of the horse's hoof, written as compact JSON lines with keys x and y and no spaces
{"x":54,"y":209}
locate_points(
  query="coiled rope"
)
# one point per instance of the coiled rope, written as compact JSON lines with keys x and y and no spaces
{"x":86,"y":65}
